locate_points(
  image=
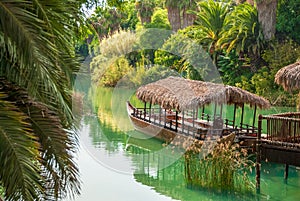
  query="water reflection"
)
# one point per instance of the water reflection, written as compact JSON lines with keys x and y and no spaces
{"x":109,"y":137}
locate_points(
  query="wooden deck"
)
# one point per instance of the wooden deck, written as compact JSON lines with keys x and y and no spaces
{"x":281,"y":142}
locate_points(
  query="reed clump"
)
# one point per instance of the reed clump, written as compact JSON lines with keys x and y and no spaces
{"x":225,"y":168}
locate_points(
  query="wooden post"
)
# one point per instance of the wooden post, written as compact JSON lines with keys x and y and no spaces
{"x":242,"y":116}
{"x":193,"y":130}
{"x":145,"y":105}
{"x":150,"y":112}
{"x":258,"y":153}
{"x":182,"y":124}
{"x":165,"y":124}
{"x":254,"y":117}
{"x":234,"y":113}
{"x":221,"y":110}
{"x":203,"y":110}
{"x":215,"y":110}
{"x":176,"y":119}
{"x":159,"y":116}
{"x":286,"y":172}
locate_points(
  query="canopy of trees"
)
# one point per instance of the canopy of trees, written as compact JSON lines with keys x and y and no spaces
{"x":239,"y":36}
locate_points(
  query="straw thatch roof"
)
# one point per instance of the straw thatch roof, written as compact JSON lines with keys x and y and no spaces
{"x":289,"y":77}
{"x":180,"y":94}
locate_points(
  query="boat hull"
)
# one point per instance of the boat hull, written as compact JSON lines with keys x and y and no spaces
{"x":150,"y":129}
{"x":168,"y":135}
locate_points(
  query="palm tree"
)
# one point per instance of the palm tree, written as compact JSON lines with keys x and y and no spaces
{"x":145,"y":10}
{"x":179,"y":13}
{"x":37,"y":66}
{"x":174,"y":14}
{"x":211,"y":23}
{"x":267,"y":17}
{"x":242,"y":31}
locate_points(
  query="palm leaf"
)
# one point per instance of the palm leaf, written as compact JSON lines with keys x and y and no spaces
{"x":19,"y":174}
{"x":38,"y":34}
{"x":56,"y":145}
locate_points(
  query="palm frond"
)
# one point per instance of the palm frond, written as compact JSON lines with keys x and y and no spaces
{"x":56,"y":145}
{"x":38,"y":34}
{"x":242,"y":30}
{"x":19,"y":173}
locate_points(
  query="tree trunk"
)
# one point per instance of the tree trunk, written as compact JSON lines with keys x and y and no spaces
{"x":187,"y":18}
{"x":174,"y":17}
{"x":250,"y":2}
{"x":243,"y":1}
{"x":267,"y":17}
{"x":145,"y":19}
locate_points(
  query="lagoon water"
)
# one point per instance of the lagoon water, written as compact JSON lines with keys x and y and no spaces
{"x":117,"y":163}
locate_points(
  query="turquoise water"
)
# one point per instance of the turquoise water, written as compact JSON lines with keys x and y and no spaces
{"x":118,"y":163}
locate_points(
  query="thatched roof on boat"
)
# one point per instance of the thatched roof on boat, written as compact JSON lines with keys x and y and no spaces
{"x":180,"y":94}
{"x":289,"y":76}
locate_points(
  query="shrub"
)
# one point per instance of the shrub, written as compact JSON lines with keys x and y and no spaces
{"x":226,"y":168}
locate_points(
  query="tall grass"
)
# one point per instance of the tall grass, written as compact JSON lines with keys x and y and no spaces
{"x":226,"y":168}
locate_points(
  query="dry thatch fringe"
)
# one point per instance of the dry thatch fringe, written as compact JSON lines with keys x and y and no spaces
{"x":181,"y":94}
{"x":289,"y":77}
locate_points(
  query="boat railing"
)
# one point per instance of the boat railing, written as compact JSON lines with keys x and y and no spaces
{"x":189,"y":125}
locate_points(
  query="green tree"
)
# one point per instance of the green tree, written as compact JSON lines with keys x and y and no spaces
{"x":288,"y":19}
{"x":159,"y":20}
{"x":37,"y":66}
{"x":277,"y":56}
{"x":145,"y":10}
{"x":242,"y":32}
{"x":210,"y":24}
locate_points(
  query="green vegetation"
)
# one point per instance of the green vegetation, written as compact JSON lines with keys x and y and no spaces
{"x":38,"y":138}
{"x":132,"y":42}
{"x":226,"y":168}
{"x":235,"y":35}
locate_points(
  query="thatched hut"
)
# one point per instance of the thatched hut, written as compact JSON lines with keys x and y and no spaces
{"x":181,"y":94}
{"x":289,"y":77}
{"x":187,"y":96}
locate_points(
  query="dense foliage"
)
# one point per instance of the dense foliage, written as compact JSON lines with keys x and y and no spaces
{"x":233,"y":33}
{"x":38,"y":137}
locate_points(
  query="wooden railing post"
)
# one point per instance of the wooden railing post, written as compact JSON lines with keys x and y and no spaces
{"x":159,"y":116}
{"x":150,"y":105}
{"x":258,"y":153}
{"x":254,"y":116}
{"x":176,"y":126}
{"x":145,"y":105}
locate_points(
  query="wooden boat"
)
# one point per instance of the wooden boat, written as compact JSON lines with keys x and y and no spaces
{"x":165,"y":130}
{"x":177,"y":110}
{"x":158,"y":131}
